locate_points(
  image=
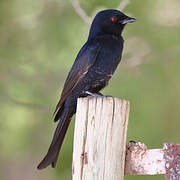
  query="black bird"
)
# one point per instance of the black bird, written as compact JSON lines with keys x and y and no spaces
{"x":90,"y":73}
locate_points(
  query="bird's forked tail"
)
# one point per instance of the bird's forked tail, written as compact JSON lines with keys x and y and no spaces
{"x":53,"y":152}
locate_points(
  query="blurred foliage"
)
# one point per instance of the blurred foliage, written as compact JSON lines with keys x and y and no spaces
{"x":39,"y":41}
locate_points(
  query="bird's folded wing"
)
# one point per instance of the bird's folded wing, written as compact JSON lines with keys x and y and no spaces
{"x":85,"y":59}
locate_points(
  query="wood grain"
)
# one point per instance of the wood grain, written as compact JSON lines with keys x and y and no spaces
{"x":100,"y":138}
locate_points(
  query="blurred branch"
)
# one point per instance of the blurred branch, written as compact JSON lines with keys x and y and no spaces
{"x":84,"y":15}
{"x":136,"y":60}
{"x":123,"y":4}
{"x":136,"y":55}
{"x":81,"y":12}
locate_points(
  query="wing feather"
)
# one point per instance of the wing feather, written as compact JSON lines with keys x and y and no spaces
{"x":85,"y":60}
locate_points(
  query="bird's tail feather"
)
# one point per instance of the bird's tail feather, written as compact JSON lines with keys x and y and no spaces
{"x":53,"y":152}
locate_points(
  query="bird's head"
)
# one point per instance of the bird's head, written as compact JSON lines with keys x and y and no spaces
{"x":109,"y":22}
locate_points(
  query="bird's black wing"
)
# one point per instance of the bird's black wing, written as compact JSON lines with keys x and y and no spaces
{"x":85,"y":59}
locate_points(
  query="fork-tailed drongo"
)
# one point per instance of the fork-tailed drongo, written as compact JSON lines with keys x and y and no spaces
{"x":90,"y":73}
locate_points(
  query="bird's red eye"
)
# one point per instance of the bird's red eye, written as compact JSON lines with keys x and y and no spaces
{"x":114,"y":19}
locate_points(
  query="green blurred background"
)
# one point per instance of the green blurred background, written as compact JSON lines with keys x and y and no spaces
{"x":39,"y":41}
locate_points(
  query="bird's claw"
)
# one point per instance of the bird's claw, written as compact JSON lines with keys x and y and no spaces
{"x":95,"y":94}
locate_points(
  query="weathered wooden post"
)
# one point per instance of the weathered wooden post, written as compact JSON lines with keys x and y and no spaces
{"x":100,"y":139}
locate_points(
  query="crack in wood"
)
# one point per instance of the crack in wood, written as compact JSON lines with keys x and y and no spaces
{"x":84,"y":140}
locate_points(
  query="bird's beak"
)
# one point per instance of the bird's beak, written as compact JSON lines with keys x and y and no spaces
{"x":128,"y":20}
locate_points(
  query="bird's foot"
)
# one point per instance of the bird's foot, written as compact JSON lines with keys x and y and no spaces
{"x":93,"y":94}
{"x":96,"y":94}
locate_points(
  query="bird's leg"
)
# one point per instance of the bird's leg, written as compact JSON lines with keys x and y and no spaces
{"x":102,"y":95}
{"x":94,"y":94}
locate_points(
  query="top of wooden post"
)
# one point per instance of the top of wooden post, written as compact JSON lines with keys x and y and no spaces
{"x":100,"y":138}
